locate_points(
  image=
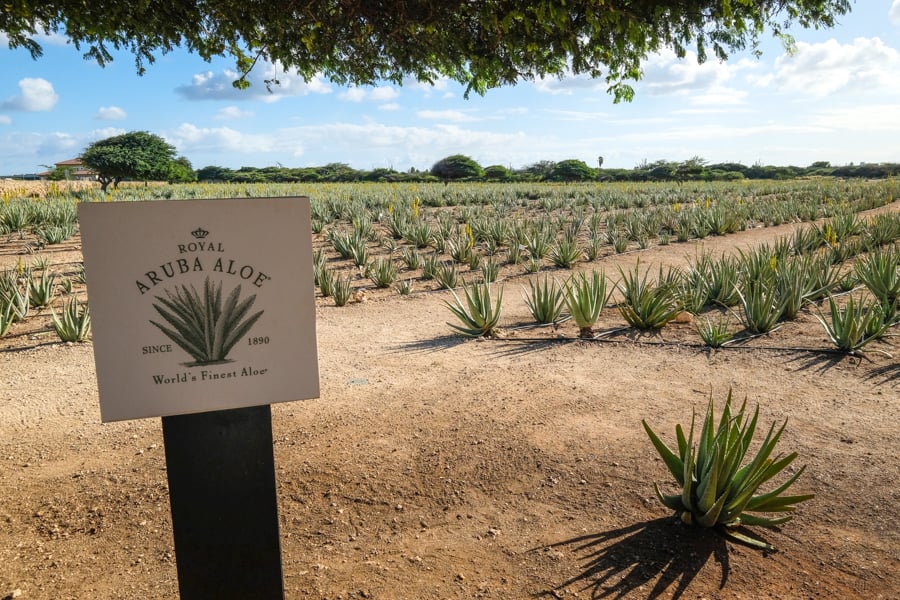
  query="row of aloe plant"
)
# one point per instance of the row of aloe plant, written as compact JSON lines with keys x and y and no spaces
{"x":766,"y":290}
{"x":26,"y":290}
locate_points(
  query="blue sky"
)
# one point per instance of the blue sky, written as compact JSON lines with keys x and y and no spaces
{"x":837,"y":98}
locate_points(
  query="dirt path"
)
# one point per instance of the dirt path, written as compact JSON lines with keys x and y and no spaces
{"x":433,"y":467}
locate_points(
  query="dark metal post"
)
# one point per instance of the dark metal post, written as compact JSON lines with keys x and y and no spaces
{"x":221,"y":471}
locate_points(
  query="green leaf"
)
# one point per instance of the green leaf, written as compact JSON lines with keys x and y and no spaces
{"x":673,"y":463}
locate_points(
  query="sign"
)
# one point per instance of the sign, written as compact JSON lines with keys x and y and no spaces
{"x":200,"y":305}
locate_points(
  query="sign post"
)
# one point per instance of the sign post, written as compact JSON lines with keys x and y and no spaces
{"x":203,"y":314}
{"x":224,"y":509}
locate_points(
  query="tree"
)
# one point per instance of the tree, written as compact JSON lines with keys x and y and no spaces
{"x":540,"y":169}
{"x":135,"y":155}
{"x":481,"y":44}
{"x":571,"y":170}
{"x":497,"y":173}
{"x":214,"y":173}
{"x":457,"y":166}
{"x":181,"y":171}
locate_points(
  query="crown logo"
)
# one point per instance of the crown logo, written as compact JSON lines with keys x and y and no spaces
{"x":200,"y":233}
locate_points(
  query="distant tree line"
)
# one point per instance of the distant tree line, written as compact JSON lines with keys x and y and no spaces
{"x":143,"y":156}
{"x":459,"y":167}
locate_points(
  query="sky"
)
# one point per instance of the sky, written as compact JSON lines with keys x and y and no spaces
{"x":836,"y":98}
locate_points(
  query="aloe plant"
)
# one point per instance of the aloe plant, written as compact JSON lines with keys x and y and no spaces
{"x":880,"y":272}
{"x":341,"y":290}
{"x":761,"y":305}
{"x":490,"y":270}
{"x":851,"y":328}
{"x":565,"y":253}
{"x":480,"y":314}
{"x":42,"y":290}
{"x":585,"y":298}
{"x":201,"y":324}
{"x":447,"y":275}
{"x":545,"y":300}
{"x":714,"y":333}
{"x":717,"y":491}
{"x":646,"y":306}
{"x":74,"y":324}
{"x":382,"y":272}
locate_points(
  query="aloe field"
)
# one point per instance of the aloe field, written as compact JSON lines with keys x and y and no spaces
{"x":502,"y":366}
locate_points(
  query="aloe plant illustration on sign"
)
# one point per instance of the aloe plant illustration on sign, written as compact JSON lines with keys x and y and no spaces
{"x":201,"y":324}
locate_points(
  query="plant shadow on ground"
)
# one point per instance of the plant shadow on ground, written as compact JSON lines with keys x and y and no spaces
{"x":823,"y":362}
{"x":660,"y":553}
{"x":887,"y":374}
{"x":437,"y":344}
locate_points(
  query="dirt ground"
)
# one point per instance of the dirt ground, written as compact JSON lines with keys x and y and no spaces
{"x":437,"y":467}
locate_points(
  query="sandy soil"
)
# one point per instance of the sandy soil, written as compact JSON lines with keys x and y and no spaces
{"x":436,"y":467}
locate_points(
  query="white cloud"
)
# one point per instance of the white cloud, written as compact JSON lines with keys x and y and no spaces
{"x":190,"y":138}
{"x":336,"y":141}
{"x":59,"y":143}
{"x":389,"y":106}
{"x":577,"y":115}
{"x":819,"y":70}
{"x":103,"y":133}
{"x":230,"y":113}
{"x":455,"y":116}
{"x":376,"y":94}
{"x":665,"y":73}
{"x":4,"y":120}
{"x":894,"y":12}
{"x":110,"y":113}
{"x":353,"y":94}
{"x":36,"y":95}
{"x":441,"y":84}
{"x":568,"y":85}
{"x":218,"y":86}
{"x":384,"y":93}
{"x":719,"y":96}
{"x":852,"y":119}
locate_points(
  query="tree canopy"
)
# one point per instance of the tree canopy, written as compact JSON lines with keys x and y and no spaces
{"x":480,"y":43}
{"x":135,"y":155}
{"x":457,"y":166}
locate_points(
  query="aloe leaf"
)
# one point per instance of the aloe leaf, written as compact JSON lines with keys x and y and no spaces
{"x":674,"y":464}
{"x":759,"y":521}
{"x":669,"y":500}
{"x":706,"y":490}
{"x":688,"y":477}
{"x":711,"y":516}
{"x":682,"y":442}
{"x":745,"y":539}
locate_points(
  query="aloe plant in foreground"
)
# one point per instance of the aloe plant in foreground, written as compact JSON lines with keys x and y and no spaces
{"x":201,"y":325}
{"x":716,"y":490}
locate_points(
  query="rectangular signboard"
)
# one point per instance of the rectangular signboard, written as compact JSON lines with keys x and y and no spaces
{"x":200,"y":305}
